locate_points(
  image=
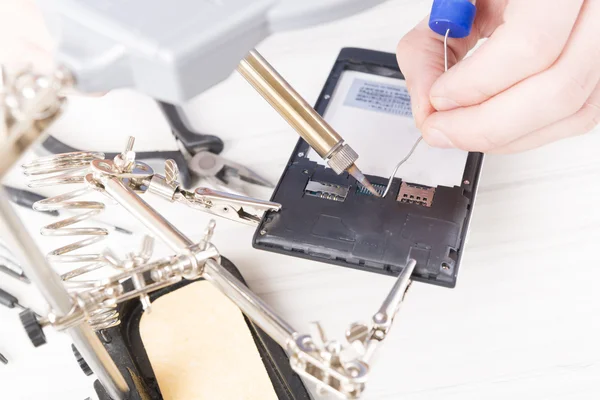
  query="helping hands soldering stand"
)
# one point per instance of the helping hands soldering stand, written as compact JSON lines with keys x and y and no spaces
{"x":32,"y":103}
{"x":313,"y":358}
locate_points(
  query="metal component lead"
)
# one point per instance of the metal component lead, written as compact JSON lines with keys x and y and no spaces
{"x":446,"y":50}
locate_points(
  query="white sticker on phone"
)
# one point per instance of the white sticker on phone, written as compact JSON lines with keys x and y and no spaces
{"x":382,"y":97}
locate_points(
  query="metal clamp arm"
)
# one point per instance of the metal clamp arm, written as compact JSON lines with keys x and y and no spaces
{"x":234,"y":207}
{"x":330,"y":364}
{"x":367,"y":337}
{"x":320,"y":364}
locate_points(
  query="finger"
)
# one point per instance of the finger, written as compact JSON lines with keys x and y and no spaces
{"x":583,"y":122}
{"x":531,"y":39}
{"x":537,"y":102}
{"x":420,"y":56}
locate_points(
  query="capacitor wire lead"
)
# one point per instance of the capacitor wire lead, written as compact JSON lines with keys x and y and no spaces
{"x":446,"y":50}
{"x":410,"y":153}
{"x":412,"y":150}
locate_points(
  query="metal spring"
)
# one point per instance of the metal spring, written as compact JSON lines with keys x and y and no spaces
{"x":68,"y":168}
{"x":71,"y":168}
{"x":101,"y":318}
{"x":104,"y":318}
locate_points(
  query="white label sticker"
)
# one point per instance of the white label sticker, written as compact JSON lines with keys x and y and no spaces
{"x":380,"y":97}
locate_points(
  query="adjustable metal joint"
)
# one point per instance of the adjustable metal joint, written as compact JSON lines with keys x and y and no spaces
{"x":323,"y":366}
{"x":166,"y":186}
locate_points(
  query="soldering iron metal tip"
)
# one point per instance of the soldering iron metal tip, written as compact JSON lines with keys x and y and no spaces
{"x":359,"y":176}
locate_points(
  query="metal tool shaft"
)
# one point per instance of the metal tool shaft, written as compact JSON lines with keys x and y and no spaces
{"x":249,"y":303}
{"x":159,"y":226}
{"x":22,"y":134}
{"x":389,"y":308}
{"x":392,"y":302}
{"x":51,"y":287}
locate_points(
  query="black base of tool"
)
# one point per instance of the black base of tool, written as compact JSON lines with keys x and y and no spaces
{"x":125,"y":346}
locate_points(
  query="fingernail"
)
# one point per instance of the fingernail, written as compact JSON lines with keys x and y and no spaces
{"x":444,"y":103}
{"x":437,"y":138}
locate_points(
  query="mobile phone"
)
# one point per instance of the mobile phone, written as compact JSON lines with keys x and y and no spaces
{"x":331,"y":218}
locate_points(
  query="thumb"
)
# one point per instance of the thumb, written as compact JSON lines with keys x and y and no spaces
{"x":420,"y":55}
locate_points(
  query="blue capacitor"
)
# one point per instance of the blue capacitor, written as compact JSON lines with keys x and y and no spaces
{"x":457,"y":16}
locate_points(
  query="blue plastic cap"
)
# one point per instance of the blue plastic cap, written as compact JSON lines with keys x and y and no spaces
{"x":456,"y":15}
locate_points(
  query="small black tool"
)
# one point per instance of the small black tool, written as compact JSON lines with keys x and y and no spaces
{"x":33,"y":327}
{"x":193,"y":141}
{"x":26,"y":198}
{"x":17,"y":275}
{"x":10,"y":267}
{"x":3,"y":359}
{"x":29,"y":318}
{"x":8,"y":300}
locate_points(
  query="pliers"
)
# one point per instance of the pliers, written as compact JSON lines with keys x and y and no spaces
{"x":199,"y":156}
{"x":205,"y":162}
{"x":223,"y":174}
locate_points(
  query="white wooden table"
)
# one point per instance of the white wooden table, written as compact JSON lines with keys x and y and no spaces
{"x":522,"y":322}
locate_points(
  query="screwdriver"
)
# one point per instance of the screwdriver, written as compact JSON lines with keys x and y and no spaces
{"x":452,"y":18}
{"x":302,"y":117}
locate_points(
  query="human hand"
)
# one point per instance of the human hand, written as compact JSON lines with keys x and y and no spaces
{"x":534,"y":81}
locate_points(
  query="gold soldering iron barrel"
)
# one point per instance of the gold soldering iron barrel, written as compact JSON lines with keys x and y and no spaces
{"x":297,"y":112}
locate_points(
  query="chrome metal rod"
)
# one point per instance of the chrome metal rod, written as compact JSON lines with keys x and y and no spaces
{"x":289,"y":104}
{"x":248,"y":302}
{"x":390,"y":307}
{"x":141,"y":210}
{"x":391,"y":304}
{"x":51,"y":287}
{"x":23,"y":133}
{"x":251,"y":305}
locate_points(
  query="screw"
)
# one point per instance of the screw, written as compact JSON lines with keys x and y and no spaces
{"x":380,"y":318}
{"x":301,"y":154}
{"x":467,"y":182}
{"x":209,"y":231}
{"x":354,"y":371}
{"x":130,"y":142}
{"x":171,"y":171}
{"x":263,"y":232}
{"x":445,"y":266}
{"x":327,"y":97}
